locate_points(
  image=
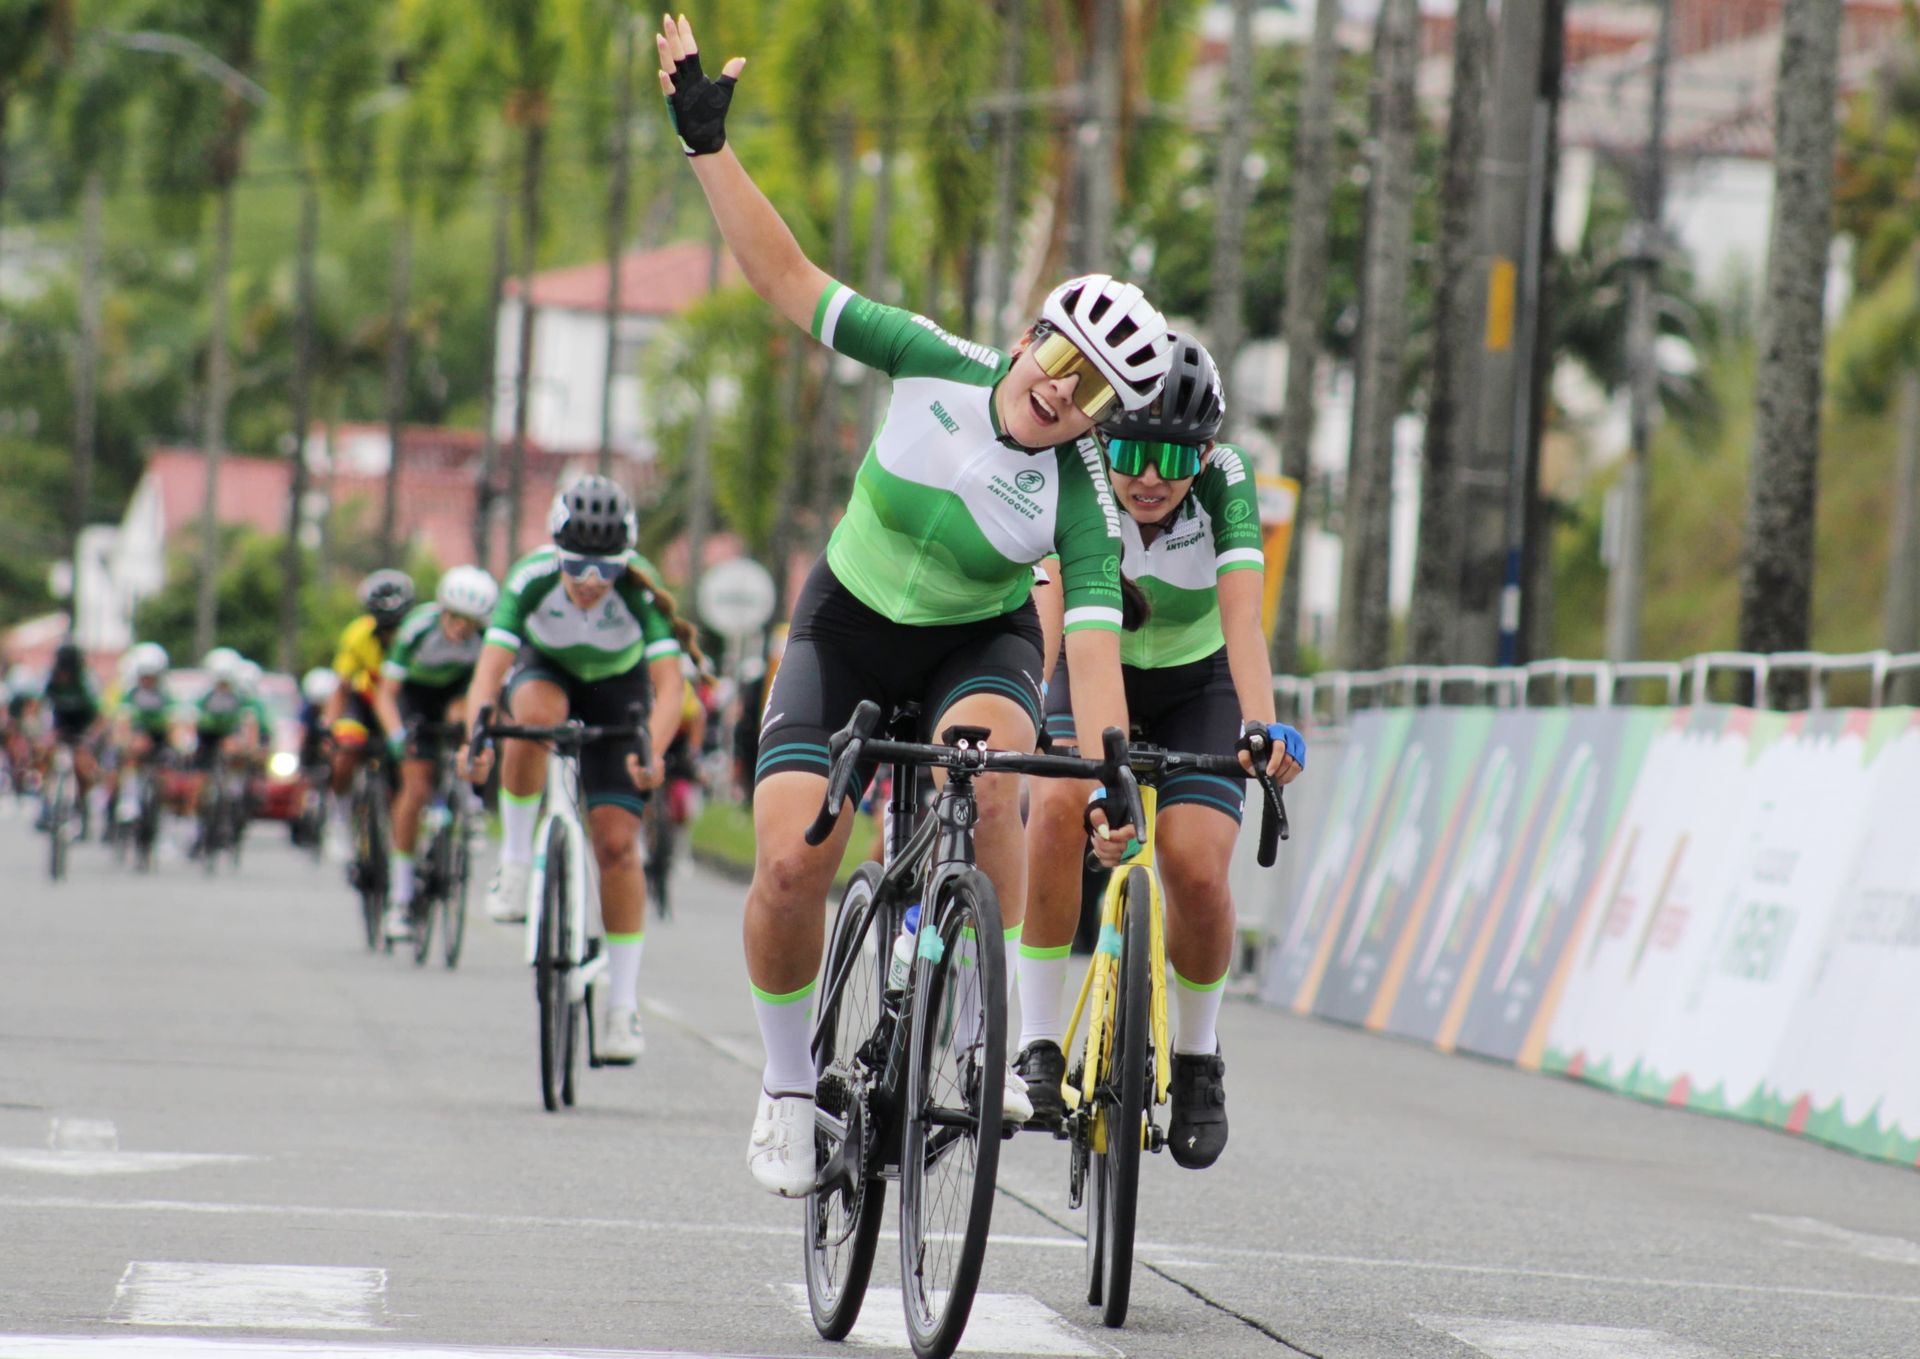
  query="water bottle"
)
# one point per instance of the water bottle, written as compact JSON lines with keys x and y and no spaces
{"x":903,"y":950}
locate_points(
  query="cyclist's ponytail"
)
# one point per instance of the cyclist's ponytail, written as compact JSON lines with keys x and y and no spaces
{"x":682,"y":629}
{"x":1134,"y":608}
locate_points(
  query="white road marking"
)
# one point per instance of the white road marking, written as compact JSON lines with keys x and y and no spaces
{"x":261,"y":1297}
{"x":1146,"y":1249}
{"x":1000,"y":1323}
{"x":1893,"y":1250}
{"x":743,"y":1051}
{"x":83,"y":1134}
{"x":211,"y":1347}
{"x":81,"y":1161}
{"x":1545,"y":1340}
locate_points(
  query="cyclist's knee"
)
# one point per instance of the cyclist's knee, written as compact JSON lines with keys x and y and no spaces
{"x":1198,"y":881}
{"x":791,"y":871}
{"x":538,"y":703}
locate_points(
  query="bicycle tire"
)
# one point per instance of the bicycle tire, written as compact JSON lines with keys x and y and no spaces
{"x":842,"y":1225}
{"x":211,"y":824}
{"x":550,"y":970}
{"x":373,"y":863}
{"x":453,"y":899}
{"x":1113,"y":1175}
{"x":659,"y":850}
{"x":61,"y":811}
{"x":147,"y":829}
{"x":952,"y":1120}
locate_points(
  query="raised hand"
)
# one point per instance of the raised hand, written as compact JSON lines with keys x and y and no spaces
{"x":697,"y":104}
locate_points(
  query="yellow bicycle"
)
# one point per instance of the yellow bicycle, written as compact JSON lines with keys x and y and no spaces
{"x":1122,"y":1073}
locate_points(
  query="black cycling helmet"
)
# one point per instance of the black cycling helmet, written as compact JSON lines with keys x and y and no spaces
{"x":1190,"y":407}
{"x":387,"y":594}
{"x":593,"y":517}
{"x":67,"y":657}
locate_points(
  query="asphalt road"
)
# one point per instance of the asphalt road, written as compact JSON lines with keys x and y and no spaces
{"x":227,"y":1129}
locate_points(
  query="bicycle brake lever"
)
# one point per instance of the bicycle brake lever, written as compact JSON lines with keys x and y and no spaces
{"x":844,"y":749}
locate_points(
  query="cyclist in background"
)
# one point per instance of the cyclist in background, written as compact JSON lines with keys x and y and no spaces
{"x":1195,"y":673}
{"x":386,"y":595}
{"x":222,"y":722}
{"x":582,"y":630}
{"x":72,"y":703}
{"x":423,"y":686}
{"x":316,"y":687}
{"x":143,"y":720}
{"x":981,"y":468}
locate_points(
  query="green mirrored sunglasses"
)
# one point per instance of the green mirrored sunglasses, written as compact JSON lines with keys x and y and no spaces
{"x":1129,"y":457}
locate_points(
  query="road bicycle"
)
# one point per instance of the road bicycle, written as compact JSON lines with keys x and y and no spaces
{"x":910,"y":1078}
{"x":562,"y":945}
{"x":140,"y":832}
{"x":370,"y":817}
{"x":449,"y":824}
{"x":221,"y":815}
{"x":1123,"y":1069}
{"x":58,"y":795}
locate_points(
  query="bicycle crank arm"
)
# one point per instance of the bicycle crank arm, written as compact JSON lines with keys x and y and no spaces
{"x":580,"y":978}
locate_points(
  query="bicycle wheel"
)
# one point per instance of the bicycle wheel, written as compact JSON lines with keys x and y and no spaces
{"x":370,"y":846}
{"x":850,"y":1041}
{"x":59,"y":813}
{"x":453,"y":895}
{"x":550,"y":970}
{"x":659,"y":853}
{"x":1119,"y":1113}
{"x":212,"y":825}
{"x":950,"y":1144}
{"x":147,"y":829}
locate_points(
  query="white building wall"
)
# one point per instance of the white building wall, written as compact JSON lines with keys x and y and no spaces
{"x":569,"y":359}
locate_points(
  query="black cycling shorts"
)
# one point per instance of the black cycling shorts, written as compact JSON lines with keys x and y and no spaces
{"x":839,"y":652}
{"x":425,"y":704}
{"x":604,"y":781}
{"x":207,"y":748}
{"x":1191,"y":707}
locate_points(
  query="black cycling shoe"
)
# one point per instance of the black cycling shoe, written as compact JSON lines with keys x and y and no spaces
{"x":1042,"y":1066}
{"x":1197,"y":1131}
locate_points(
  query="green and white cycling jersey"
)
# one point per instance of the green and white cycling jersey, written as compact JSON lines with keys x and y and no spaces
{"x":422,"y":653}
{"x":945,"y":520}
{"x":149,"y":710}
{"x":220,"y":712}
{"x":1215,"y":530}
{"x":623,"y":631}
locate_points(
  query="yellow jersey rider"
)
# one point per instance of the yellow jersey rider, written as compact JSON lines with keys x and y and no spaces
{"x":349,"y":716}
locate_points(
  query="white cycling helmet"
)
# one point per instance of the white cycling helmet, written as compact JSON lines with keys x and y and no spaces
{"x":1114,"y":325}
{"x":223,"y":663}
{"x":318,"y":684}
{"x":468,"y":591}
{"x":148,"y":658}
{"x":248,"y":675}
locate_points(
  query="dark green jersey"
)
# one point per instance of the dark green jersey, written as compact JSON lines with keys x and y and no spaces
{"x":622,"y":632}
{"x":73,"y":702}
{"x":219,"y":712}
{"x":149,"y":708}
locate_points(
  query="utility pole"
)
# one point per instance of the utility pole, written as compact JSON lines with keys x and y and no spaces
{"x":700,"y":483}
{"x":1506,"y":271}
{"x":1225,"y":307}
{"x":1006,"y":171}
{"x":1306,"y":301}
{"x":400,"y":291}
{"x":1643,"y":250}
{"x":616,"y":236}
{"x":486,"y":495}
{"x":288,"y":655}
{"x":85,"y":379}
{"x":1102,"y":137}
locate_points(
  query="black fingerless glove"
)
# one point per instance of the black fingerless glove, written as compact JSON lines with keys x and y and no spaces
{"x":698,"y":107}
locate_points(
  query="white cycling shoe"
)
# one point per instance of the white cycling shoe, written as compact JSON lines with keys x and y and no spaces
{"x":1016,"y":1105}
{"x":399,"y":923}
{"x":624,"y":1039}
{"x":507,"y":893}
{"x":780,"y":1153}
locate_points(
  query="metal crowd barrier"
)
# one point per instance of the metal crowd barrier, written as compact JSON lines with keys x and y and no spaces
{"x":1796,"y":679}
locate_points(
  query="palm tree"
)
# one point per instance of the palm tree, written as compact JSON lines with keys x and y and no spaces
{"x":326,"y":57}
{"x":28,"y":30}
{"x":1776,"y":567}
{"x":202,"y":105}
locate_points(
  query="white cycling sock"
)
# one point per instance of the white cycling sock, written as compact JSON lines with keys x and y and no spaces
{"x":786,"y":1030}
{"x":402,"y":879}
{"x":1196,"y":1007}
{"x":519,"y":817}
{"x":623,"y":970}
{"x":1043,"y":971}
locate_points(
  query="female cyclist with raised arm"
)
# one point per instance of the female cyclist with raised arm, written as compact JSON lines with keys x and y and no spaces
{"x":583,"y":630}
{"x":1195,"y":673}
{"x":980,"y":468}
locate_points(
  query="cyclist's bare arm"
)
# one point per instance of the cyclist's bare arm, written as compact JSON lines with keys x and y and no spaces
{"x":483,"y":691}
{"x":386,"y":706}
{"x":1050,"y":602}
{"x":665,"y":719}
{"x":1240,"y":603}
{"x":1099,"y":702}
{"x":769,"y":256}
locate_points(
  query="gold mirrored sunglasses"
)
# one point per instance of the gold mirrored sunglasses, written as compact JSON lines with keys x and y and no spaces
{"x":1060,"y":358}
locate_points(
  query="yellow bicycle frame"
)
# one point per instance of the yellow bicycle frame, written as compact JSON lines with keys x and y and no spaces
{"x":1098,"y":986}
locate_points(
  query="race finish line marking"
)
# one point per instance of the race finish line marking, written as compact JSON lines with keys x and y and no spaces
{"x":262,"y":1297}
{"x":1000,"y":1323}
{"x":91,"y":1146}
{"x":1544,"y":1340}
{"x":193,"y":1347}
{"x":1893,"y":1250}
{"x":1145,"y":1249}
